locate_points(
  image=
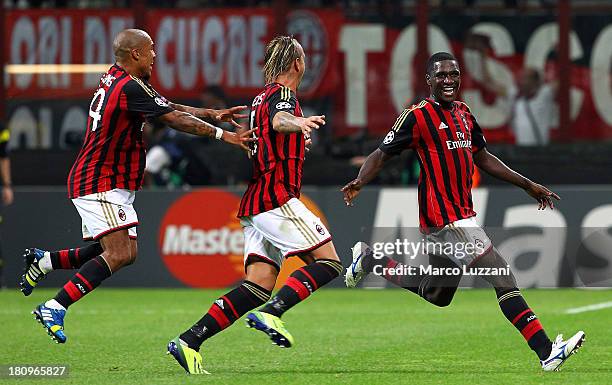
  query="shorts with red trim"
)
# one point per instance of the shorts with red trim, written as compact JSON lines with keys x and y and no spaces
{"x":282,"y":232}
{"x":106,"y":212}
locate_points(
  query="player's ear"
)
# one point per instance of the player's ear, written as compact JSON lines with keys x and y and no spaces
{"x":428,"y":79}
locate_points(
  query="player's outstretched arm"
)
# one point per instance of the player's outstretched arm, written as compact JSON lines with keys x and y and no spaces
{"x":224,"y":115}
{"x":495,"y":167}
{"x":285,"y":123}
{"x":368,"y":171}
{"x":183,"y":121}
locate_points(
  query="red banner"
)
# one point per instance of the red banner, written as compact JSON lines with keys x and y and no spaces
{"x":226,"y":47}
{"x":48,"y":36}
{"x":378,"y":76}
{"x":363,"y":71}
{"x":217,"y":47}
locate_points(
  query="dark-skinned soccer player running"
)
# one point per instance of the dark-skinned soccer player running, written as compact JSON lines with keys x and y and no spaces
{"x":108,"y":171}
{"x":449,"y":142}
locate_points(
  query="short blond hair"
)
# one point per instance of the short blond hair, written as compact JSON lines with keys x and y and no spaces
{"x":280,"y":53}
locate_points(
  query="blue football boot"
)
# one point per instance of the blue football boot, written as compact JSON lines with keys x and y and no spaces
{"x":52,"y":320}
{"x":32,"y":273}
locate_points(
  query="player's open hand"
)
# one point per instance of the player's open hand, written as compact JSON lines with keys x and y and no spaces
{"x":307,"y":143}
{"x":351,"y":190}
{"x":240,"y":139}
{"x":312,"y":123}
{"x":230,"y":115}
{"x":542,"y":195}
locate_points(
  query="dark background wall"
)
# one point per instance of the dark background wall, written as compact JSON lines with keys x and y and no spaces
{"x":567,"y":246}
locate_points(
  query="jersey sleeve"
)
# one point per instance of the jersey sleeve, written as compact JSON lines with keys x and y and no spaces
{"x":403,"y":134}
{"x":5,"y":135}
{"x":143,"y":99}
{"x":283,"y":99}
{"x":478,"y":140}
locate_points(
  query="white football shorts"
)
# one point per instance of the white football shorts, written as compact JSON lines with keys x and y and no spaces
{"x":105,"y":212}
{"x":282,"y":232}
{"x":462,"y":241}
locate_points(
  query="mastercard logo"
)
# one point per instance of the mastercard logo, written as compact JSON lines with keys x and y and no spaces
{"x":201,"y":241}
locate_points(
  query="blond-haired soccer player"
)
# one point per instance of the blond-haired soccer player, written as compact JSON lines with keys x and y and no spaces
{"x":276,"y":224}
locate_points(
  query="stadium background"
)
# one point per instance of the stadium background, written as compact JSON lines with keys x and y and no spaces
{"x":363,"y":68}
{"x":364,"y":64}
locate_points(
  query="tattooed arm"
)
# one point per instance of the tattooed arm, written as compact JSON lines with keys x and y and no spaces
{"x":184,"y":121}
{"x":224,"y":115}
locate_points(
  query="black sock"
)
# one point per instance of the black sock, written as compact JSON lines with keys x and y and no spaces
{"x":520,"y":315}
{"x":386,"y":265}
{"x":89,"y":276}
{"x":74,"y":258}
{"x":436,"y":289}
{"x":224,"y":311}
{"x":303,"y":282}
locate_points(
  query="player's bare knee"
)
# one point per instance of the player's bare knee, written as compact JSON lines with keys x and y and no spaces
{"x":118,"y":259}
{"x":502,"y":282}
{"x":333,"y":257}
{"x":267,"y":282}
{"x":510,"y":280}
{"x":130,"y":260}
{"x":262,"y":274}
{"x":326,"y":251}
{"x":133,"y":252}
{"x":114,"y":263}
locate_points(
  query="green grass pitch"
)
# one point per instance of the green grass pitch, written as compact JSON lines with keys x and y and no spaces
{"x":119,"y":336}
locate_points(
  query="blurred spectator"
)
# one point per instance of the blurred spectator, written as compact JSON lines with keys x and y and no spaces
{"x":532,"y":103}
{"x":172,"y":160}
{"x":214,"y":97}
{"x":533,"y":109}
{"x":176,"y":159}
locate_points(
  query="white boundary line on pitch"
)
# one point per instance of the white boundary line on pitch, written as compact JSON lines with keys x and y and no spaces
{"x":582,"y":309}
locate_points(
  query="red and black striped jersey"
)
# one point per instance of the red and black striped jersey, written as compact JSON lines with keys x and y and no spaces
{"x":445,"y":140}
{"x":277,"y":158}
{"x":113,"y":154}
